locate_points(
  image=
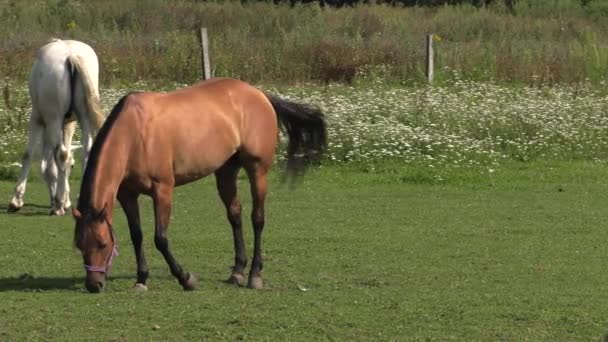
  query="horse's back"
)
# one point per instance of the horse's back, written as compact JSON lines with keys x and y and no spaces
{"x":51,"y":60}
{"x":228,"y":106}
{"x":198,"y":128}
{"x":237,"y":114}
{"x":49,"y":80}
{"x":58,"y":50}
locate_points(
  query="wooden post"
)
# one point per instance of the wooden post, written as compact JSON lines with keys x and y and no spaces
{"x":429,"y":58}
{"x":205,"y":54}
{"x":7,"y":96}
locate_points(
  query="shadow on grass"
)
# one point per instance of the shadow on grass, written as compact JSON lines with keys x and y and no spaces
{"x":29,"y":209}
{"x":27,"y":283}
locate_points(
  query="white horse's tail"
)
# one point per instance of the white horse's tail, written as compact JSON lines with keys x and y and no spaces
{"x":91,"y":99}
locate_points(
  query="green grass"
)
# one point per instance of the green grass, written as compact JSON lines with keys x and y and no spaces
{"x":353,"y":253}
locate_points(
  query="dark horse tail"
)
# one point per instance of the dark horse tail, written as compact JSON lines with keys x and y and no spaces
{"x":306,"y":129}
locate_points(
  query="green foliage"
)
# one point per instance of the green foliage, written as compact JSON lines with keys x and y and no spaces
{"x":555,"y":40}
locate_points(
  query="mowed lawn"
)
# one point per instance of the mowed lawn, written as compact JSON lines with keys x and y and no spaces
{"x":518,"y":254}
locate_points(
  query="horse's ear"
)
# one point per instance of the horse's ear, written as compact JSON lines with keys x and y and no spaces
{"x":76,"y":213}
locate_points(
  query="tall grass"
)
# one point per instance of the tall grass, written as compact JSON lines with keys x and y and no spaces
{"x":540,"y":42}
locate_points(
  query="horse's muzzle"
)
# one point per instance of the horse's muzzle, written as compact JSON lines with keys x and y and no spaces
{"x":95,"y":282}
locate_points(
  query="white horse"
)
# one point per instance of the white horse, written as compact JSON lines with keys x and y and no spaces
{"x":64,"y":89}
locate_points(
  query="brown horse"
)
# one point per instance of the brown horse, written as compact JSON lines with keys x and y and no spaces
{"x":152,"y":142}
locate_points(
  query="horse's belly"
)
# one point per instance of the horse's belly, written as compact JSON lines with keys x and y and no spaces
{"x":188,"y":168}
{"x":187,"y":175}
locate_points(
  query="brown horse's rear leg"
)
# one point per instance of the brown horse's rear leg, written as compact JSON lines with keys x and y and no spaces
{"x":225,"y":178}
{"x":257,"y":177}
{"x":130,"y":206}
{"x":162,"y":196}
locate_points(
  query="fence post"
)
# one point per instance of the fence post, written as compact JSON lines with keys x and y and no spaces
{"x":205,"y":54}
{"x":6,"y":95}
{"x":429,"y":58}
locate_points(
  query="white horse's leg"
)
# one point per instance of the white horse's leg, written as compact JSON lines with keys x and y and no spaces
{"x":49,"y":171}
{"x":54,"y":138}
{"x":86,"y":130}
{"x":68,"y":133}
{"x":34,"y":133}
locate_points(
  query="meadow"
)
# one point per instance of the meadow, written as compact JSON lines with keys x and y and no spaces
{"x":470,"y":209}
{"x":517,"y":255}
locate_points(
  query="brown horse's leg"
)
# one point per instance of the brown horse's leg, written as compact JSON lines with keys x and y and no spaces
{"x":225,"y":178}
{"x":161,"y":196}
{"x":257,"y":177}
{"x":130,"y":206}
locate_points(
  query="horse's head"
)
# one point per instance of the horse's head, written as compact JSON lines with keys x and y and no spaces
{"x":94,"y":237}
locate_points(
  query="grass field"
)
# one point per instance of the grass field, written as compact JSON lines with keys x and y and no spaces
{"x":470,"y":210}
{"x":350,"y":254}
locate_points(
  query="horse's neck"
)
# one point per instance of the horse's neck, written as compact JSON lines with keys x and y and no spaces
{"x":102,"y":195}
{"x":108,"y":175}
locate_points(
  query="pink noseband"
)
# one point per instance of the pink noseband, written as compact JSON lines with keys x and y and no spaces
{"x":105,"y":269}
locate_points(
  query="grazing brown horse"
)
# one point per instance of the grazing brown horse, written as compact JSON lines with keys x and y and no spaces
{"x":152,"y":142}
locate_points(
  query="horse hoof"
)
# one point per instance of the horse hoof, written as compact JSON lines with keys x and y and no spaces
{"x":236,"y":279}
{"x":12,"y":208}
{"x":190,"y":283}
{"x":255,"y":283}
{"x":140,"y":287}
{"x":57,"y":212}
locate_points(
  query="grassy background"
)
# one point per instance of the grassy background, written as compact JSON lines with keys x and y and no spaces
{"x":540,"y":42}
{"x":514,"y":256}
{"x":459,"y":124}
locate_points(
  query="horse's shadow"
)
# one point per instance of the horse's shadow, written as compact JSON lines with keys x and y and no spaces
{"x":27,"y":283}
{"x":28,"y":209}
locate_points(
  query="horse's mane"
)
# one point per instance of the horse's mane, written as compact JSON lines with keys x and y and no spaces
{"x":89,"y":171}
{"x":86,"y":187}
